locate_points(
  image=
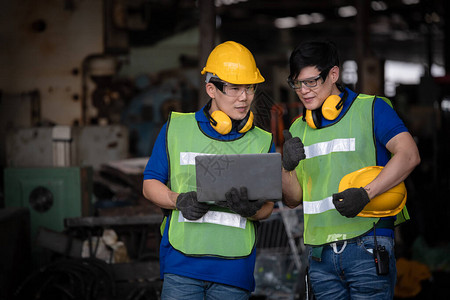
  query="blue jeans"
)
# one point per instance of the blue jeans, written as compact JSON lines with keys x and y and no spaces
{"x":177,"y":287}
{"x":352,"y":273}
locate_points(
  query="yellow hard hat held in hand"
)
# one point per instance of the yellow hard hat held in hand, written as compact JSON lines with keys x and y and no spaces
{"x":390,"y":203}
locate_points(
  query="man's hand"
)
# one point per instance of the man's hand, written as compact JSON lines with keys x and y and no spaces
{"x":351,"y":202}
{"x":192,"y":209}
{"x":293,"y":151}
{"x":239,"y":203}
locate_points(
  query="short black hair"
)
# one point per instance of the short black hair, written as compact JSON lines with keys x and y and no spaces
{"x":322,"y":54}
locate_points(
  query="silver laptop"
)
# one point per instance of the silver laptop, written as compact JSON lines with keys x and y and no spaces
{"x":217,"y":174}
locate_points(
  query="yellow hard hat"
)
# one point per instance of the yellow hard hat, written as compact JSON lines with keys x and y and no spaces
{"x":390,"y":203}
{"x":233,"y":63}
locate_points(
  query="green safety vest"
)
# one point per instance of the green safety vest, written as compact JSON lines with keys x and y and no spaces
{"x":331,"y":153}
{"x":220,"y":232}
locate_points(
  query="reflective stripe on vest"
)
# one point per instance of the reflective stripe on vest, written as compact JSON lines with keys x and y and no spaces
{"x":220,"y":218}
{"x":219,"y":232}
{"x":188,"y":158}
{"x":324,"y":148}
{"x":318,"y":207}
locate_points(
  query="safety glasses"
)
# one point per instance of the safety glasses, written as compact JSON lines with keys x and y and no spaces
{"x":309,"y":82}
{"x":234,"y":90}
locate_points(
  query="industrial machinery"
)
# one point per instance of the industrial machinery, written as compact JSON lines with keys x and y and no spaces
{"x":51,"y":194}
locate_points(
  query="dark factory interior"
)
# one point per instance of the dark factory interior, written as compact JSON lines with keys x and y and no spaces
{"x":85,"y":87}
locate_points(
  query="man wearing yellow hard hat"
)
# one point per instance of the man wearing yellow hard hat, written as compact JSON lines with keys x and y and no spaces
{"x":208,"y":251}
{"x":345,"y":160}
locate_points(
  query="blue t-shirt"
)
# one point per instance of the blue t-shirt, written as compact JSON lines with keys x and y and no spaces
{"x":234,"y":272}
{"x":387,"y":124}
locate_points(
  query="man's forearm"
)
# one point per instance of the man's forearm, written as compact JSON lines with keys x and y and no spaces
{"x":158,"y":193}
{"x":292,"y":191}
{"x":264,"y":212}
{"x":406,"y":157}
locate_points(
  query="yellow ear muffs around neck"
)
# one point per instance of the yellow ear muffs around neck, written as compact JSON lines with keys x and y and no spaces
{"x":309,"y":119}
{"x":246,"y":124}
{"x":330,"y":110}
{"x":223,"y":124}
{"x":332,"y":107}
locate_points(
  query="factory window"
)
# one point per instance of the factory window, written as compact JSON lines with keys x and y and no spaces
{"x":398,"y":72}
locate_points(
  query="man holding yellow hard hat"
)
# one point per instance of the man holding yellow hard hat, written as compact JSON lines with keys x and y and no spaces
{"x":345,"y":161}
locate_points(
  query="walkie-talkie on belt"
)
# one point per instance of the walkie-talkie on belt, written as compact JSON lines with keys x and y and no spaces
{"x":381,"y":256}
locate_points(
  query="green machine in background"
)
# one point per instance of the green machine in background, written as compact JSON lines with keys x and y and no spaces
{"x":51,"y":194}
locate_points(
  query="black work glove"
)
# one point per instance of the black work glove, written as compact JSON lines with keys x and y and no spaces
{"x":351,"y":202}
{"x":239,"y":203}
{"x":192,"y":209}
{"x":293,"y":151}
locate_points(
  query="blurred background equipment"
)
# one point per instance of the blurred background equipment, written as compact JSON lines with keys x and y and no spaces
{"x":66,"y":146}
{"x":50,"y":194}
{"x":15,"y":258}
{"x":281,"y":257}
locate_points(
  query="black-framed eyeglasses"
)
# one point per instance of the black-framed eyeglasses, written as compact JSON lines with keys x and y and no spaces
{"x":310,"y":82}
{"x":234,"y":90}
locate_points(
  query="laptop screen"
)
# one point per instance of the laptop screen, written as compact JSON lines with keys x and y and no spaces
{"x":259,"y":173}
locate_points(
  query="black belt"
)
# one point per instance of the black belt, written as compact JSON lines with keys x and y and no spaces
{"x":387,"y":223}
